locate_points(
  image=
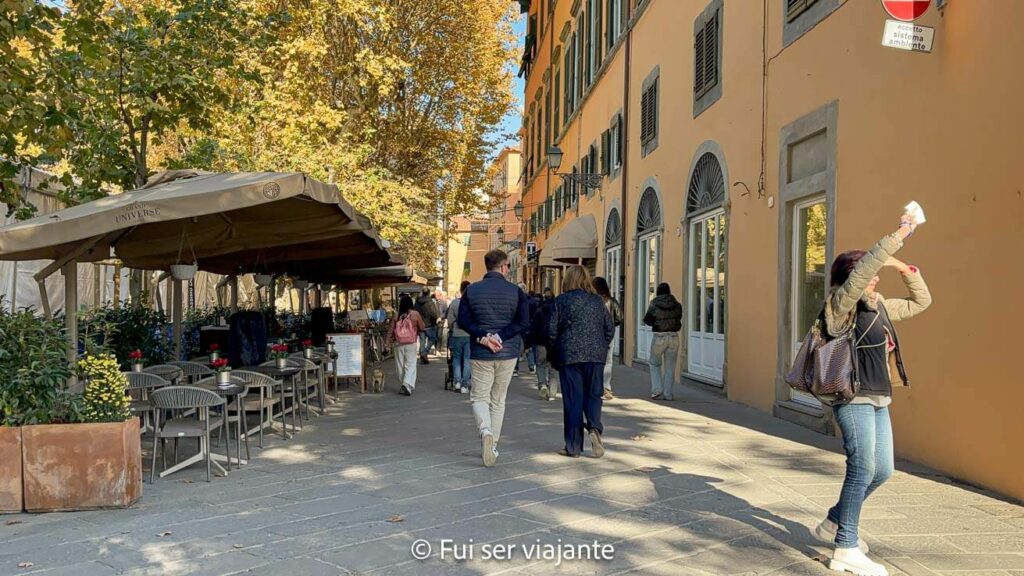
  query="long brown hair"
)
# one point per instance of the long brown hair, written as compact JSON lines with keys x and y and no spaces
{"x":577,"y":278}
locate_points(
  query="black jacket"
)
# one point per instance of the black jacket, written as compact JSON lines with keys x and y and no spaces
{"x":427,"y":308}
{"x":665,"y":314}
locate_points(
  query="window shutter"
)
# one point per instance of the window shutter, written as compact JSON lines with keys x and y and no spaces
{"x":653,"y":104}
{"x":698,"y":63}
{"x":645,"y":113}
{"x":711,"y":51}
{"x":619,"y":138}
{"x":606,"y":159}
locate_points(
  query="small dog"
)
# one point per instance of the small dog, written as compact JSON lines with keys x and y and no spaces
{"x":378,"y":380}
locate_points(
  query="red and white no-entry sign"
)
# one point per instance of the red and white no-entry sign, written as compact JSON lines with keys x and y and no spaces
{"x":906,"y":10}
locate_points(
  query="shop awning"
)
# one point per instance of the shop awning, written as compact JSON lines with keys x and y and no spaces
{"x":573,"y":244}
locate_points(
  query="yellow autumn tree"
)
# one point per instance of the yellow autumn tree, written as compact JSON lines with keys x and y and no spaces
{"x":395,"y":101}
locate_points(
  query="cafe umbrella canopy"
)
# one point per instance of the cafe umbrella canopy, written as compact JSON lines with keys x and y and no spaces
{"x":226,"y":223}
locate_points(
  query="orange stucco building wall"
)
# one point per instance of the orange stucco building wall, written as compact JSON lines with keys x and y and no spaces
{"x":812,"y":106}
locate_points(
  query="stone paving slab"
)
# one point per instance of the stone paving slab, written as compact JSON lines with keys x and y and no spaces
{"x":699,"y":487}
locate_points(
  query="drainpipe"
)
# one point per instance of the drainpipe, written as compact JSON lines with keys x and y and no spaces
{"x":624,"y":263}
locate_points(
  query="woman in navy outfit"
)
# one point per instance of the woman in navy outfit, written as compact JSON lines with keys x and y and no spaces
{"x":581,"y":330}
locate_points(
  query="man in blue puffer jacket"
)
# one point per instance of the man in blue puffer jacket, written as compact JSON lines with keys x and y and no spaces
{"x":496,"y":313}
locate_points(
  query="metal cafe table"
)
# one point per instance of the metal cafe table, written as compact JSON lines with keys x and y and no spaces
{"x":279,"y":374}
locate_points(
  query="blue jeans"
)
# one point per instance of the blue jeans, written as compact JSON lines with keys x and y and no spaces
{"x":582,"y":392}
{"x":531,"y":359}
{"x":867,"y":440}
{"x":428,"y":338}
{"x":461,"y":370}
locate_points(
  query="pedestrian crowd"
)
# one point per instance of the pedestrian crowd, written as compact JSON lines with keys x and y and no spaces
{"x":567,"y":342}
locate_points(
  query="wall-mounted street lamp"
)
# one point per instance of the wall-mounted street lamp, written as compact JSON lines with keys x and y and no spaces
{"x":518,"y":209}
{"x":588,"y":181}
{"x":501,"y":235}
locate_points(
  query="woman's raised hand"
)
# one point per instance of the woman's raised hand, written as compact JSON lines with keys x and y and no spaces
{"x":907,"y":226}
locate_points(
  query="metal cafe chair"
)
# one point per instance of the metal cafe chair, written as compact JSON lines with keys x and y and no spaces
{"x":193,"y":371}
{"x":180,"y":398}
{"x":309,"y":367}
{"x":263,"y":404}
{"x":139,"y":386}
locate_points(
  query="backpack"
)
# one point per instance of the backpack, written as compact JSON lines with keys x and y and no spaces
{"x":405,"y":330}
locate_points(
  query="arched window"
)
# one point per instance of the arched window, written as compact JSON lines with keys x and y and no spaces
{"x":648,"y":218}
{"x":613,"y":229}
{"x":707,"y":186}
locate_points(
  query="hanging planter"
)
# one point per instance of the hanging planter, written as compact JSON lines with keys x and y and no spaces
{"x":262,"y":280}
{"x":183,"y":271}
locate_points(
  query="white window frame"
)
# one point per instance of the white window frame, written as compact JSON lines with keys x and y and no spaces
{"x":794,"y":248}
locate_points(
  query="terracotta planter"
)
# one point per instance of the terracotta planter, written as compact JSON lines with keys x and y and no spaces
{"x":82,"y":466}
{"x":11,"y":497}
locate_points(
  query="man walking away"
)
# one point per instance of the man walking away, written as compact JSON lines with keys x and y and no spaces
{"x":547,"y":373}
{"x":527,"y":341}
{"x":459,"y":344}
{"x":495,"y":313}
{"x":427,"y":308}
{"x":665,"y":317}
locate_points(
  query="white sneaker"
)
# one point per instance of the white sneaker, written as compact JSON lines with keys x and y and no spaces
{"x":826,"y":533}
{"x":854,"y":561}
{"x":488,"y":452}
{"x":545,"y":393}
{"x":464,"y":390}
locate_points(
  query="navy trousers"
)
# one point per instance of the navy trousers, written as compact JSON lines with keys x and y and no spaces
{"x":582,"y":389}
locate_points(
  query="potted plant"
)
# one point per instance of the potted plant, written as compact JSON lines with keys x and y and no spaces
{"x":34,"y":371}
{"x":94,"y":463}
{"x":136,"y":359}
{"x":214,"y":352}
{"x":279,"y":352}
{"x":307,"y":348}
{"x":223,"y":371}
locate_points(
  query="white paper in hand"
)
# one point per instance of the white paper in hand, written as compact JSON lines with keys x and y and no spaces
{"x":915,"y":211}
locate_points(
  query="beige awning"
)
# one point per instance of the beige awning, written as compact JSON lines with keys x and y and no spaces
{"x":231,"y":223}
{"x":574,"y":243}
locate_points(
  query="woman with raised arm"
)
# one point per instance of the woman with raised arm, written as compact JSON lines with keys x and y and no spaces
{"x":854,"y":303}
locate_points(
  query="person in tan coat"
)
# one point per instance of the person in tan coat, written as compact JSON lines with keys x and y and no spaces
{"x":854,"y":303}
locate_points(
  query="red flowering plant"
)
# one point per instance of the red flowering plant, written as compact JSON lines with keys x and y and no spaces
{"x":278,"y":351}
{"x":220,"y":365}
{"x":135,"y":355}
{"x":214,"y":347}
{"x":307,"y":343}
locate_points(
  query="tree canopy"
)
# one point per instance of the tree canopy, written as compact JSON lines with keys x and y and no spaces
{"x":395,"y":101}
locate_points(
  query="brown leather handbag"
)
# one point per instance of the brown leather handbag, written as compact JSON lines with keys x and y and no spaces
{"x":826,"y":367}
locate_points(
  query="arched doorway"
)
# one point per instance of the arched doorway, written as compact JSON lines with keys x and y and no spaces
{"x":613,"y":263}
{"x":706,"y":284}
{"x":648,"y":265}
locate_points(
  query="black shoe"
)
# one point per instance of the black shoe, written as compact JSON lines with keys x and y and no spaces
{"x":405,"y":391}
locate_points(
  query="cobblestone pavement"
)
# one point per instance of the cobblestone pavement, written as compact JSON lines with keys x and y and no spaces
{"x":693,"y":487}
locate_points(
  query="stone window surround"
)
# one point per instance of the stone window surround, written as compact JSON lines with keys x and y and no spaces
{"x":823,"y":183}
